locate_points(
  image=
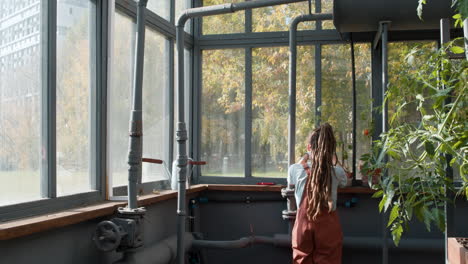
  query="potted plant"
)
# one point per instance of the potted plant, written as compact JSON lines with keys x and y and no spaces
{"x":418,"y":153}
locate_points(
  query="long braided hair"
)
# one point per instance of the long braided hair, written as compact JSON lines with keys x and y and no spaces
{"x":323,"y":148}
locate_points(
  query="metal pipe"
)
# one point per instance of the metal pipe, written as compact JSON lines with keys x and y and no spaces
{"x":353,"y":70}
{"x":292,"y":77}
{"x":349,"y":242}
{"x":163,"y":252}
{"x":181,"y":127}
{"x":136,"y":121}
{"x":279,"y":240}
{"x":384,"y":124}
{"x":465,"y":34}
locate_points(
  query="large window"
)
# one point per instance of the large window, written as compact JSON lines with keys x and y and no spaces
{"x":74,"y":89}
{"x":47,"y":103}
{"x":20,"y":101}
{"x":223,"y":24}
{"x":223,"y":101}
{"x":270,"y":112}
{"x":278,"y":18}
{"x":155,"y":98}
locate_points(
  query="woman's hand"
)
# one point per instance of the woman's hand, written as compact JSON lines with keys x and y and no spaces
{"x":304,"y":160}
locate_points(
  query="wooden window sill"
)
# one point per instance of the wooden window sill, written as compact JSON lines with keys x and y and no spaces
{"x":31,"y":225}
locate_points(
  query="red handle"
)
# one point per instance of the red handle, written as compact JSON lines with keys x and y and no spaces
{"x":266,"y":183}
{"x":192,"y":162}
{"x":155,"y":161}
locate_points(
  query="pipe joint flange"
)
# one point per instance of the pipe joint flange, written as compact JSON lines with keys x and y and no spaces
{"x":289,"y":214}
{"x":287,"y":193}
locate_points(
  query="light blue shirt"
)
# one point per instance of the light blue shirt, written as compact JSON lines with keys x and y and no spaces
{"x":298,"y":176}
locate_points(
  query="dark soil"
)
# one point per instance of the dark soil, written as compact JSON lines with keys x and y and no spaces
{"x":463,"y":241}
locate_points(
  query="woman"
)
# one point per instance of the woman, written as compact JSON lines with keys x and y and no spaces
{"x":317,"y":236}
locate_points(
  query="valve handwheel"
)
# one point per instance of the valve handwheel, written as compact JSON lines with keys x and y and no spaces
{"x":107,"y":236}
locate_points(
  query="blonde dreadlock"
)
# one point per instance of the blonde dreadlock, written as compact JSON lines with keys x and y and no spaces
{"x":323,"y":148}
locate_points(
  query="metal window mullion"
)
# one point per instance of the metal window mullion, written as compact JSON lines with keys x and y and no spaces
{"x":248,"y":113}
{"x":354,"y":105}
{"x":196,"y":116}
{"x":318,"y":84}
{"x":48,"y":106}
{"x":318,"y":9}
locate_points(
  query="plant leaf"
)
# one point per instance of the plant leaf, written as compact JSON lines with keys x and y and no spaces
{"x":393,"y":214}
{"x":378,"y":194}
{"x":396,"y":234}
{"x":457,"y":49}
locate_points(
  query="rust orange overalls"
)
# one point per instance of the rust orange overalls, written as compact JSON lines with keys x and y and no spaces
{"x":318,"y":241}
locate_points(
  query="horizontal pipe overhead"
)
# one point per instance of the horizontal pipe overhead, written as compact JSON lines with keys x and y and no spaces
{"x":229,"y":8}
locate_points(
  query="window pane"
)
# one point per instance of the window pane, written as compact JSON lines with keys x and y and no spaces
{"x":278,"y":18}
{"x":20,"y":101}
{"x":327,"y":7}
{"x":155,"y":107}
{"x":305,"y":97}
{"x":160,"y":7}
{"x":223,"y":112}
{"x":337,"y":98}
{"x":223,"y":24}
{"x":270,"y":112}
{"x":74,"y":85}
{"x":363,"y":102}
{"x":120,"y":98}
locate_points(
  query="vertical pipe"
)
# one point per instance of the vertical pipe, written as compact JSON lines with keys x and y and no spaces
{"x":293,"y":77}
{"x":353,"y":69}
{"x":182,"y":150}
{"x":384,"y":126}
{"x":318,"y":84}
{"x":136,"y":121}
{"x":448,"y":207}
{"x":248,"y":113}
{"x":248,"y":100}
{"x":465,"y":34}
{"x":292,"y":92}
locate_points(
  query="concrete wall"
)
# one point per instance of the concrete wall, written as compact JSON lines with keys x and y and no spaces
{"x":226,"y":216}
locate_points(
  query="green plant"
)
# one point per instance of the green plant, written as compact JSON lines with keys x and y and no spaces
{"x":419,"y":151}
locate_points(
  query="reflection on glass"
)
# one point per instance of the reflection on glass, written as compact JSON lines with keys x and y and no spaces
{"x":160,"y":7}
{"x":155,"y":107}
{"x":270,"y":112}
{"x":20,"y":101}
{"x":223,"y":113}
{"x":120,"y":99}
{"x":74,"y":84}
{"x":278,"y":18}
{"x":223,"y":24}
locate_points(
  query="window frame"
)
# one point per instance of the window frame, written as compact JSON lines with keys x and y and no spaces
{"x":102,"y":13}
{"x":249,"y":40}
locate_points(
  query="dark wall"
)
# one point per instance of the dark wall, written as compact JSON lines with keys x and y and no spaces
{"x":227,"y":216}
{"x":221,"y":218}
{"x":74,"y":245}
